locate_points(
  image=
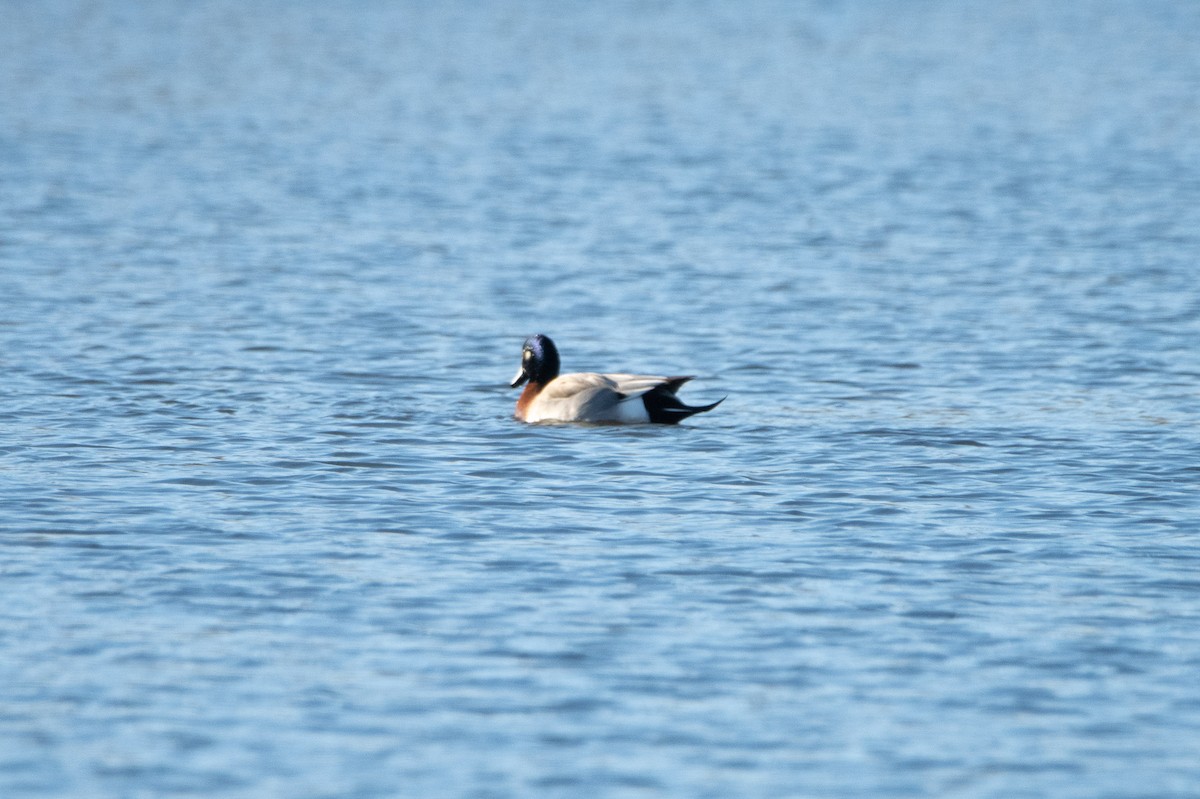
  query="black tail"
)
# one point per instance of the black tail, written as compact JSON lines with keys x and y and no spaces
{"x":665,"y":408}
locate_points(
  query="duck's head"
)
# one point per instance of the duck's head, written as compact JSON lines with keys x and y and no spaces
{"x":539,"y":361}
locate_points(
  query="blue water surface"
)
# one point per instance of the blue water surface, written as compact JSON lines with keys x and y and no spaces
{"x":268,"y":528}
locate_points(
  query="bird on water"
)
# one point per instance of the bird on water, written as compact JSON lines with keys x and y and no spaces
{"x":593,"y":397}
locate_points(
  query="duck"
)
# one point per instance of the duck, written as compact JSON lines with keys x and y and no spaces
{"x":592,"y":397}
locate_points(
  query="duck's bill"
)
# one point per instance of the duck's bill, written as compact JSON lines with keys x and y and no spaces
{"x":520,"y":377}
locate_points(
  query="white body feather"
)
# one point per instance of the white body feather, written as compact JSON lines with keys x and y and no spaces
{"x":592,"y":397}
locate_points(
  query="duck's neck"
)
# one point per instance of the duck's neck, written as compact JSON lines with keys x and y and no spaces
{"x":532,"y":389}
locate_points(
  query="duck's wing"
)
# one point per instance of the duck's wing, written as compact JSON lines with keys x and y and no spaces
{"x":566,"y":387}
{"x":592,"y":397}
{"x":601,"y":398}
{"x":652,"y":399}
{"x":637,"y":385}
{"x":579,"y":397}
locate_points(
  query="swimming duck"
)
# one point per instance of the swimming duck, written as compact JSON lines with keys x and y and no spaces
{"x":591,"y":397}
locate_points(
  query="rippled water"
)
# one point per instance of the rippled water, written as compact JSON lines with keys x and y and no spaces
{"x":268,"y":529}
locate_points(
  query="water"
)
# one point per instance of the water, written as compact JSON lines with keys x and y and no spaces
{"x":269,"y":530}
